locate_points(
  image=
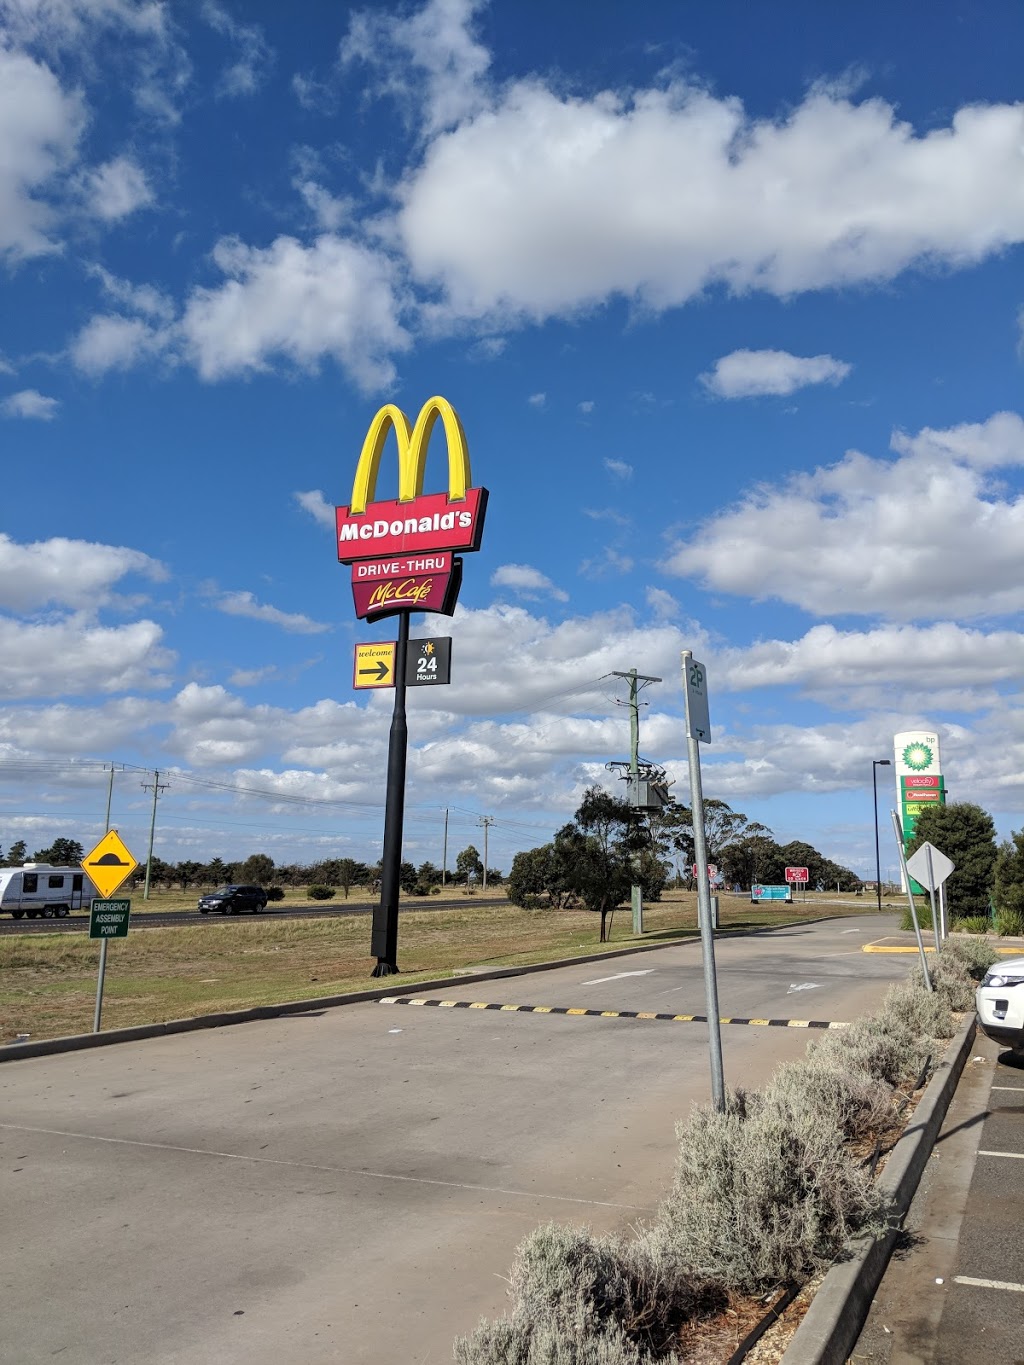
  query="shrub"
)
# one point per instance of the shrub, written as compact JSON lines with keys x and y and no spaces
{"x":974,"y":957}
{"x":320,"y":893}
{"x":763,"y":1194}
{"x":972,"y":924}
{"x":856,"y":1105}
{"x":515,"y":1341}
{"x":924,"y":917}
{"x":924,"y":1013}
{"x":1010,"y":922}
{"x":884,"y":1048}
{"x":275,"y":893}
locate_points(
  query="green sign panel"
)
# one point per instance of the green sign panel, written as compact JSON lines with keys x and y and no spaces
{"x":109,"y":919}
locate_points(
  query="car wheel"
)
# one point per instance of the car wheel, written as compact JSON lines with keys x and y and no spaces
{"x":63,"y":912}
{"x":204,"y":909}
{"x":17,"y":913}
{"x":48,"y":912}
{"x":234,"y":910}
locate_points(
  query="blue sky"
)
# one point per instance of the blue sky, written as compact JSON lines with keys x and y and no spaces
{"x":728,"y":298}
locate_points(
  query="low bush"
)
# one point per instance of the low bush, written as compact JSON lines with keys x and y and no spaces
{"x":924,"y":917}
{"x":856,"y":1105}
{"x":275,"y":893}
{"x":321,"y":893}
{"x":765,"y":1196}
{"x":928,"y":1014}
{"x":974,"y":957}
{"x":971,"y":924}
{"x":884,"y":1048}
{"x":580,"y":1298}
{"x":1010,"y":923}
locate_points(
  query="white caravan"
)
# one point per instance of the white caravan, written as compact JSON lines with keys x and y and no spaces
{"x":39,"y":891}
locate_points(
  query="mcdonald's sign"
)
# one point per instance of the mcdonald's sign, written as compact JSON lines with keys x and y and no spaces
{"x":415,"y":522}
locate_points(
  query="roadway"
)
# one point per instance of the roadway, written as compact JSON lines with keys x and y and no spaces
{"x":350,"y":1184}
{"x":78,"y":921}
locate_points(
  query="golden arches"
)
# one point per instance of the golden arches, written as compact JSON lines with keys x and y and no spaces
{"x":412,"y":453}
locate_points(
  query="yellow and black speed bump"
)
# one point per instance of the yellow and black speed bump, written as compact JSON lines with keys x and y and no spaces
{"x":606,"y":1014}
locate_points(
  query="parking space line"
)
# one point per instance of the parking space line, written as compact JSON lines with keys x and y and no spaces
{"x":1014,"y":1156}
{"x":989,"y":1284}
{"x":1017,"y":1089}
{"x":608,"y":1014}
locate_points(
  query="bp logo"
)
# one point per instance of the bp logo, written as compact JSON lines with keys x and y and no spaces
{"x":917,"y":757}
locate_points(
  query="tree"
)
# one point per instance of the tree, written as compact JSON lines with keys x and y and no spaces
{"x":215,"y":872}
{"x":1009,"y":874}
{"x":537,"y":873}
{"x":598,"y":851}
{"x":186,"y":873}
{"x":257,"y":869}
{"x":407,"y":878}
{"x":61,"y":853}
{"x":469,"y":864}
{"x":753,"y":858}
{"x":16,"y":854}
{"x":350,"y":873}
{"x":966,"y":835}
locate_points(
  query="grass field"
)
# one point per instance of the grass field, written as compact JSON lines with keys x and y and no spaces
{"x":48,"y":981}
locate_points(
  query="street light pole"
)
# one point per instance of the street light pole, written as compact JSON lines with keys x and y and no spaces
{"x":877,"y":763}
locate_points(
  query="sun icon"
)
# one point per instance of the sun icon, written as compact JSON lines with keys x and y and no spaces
{"x":917,"y":757}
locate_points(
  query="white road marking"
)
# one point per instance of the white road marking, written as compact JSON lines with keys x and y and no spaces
{"x":619,"y":976}
{"x":1017,"y":1156}
{"x":1018,"y":1089}
{"x":804,"y":986}
{"x":313,"y":1166}
{"x":989,"y":1284}
{"x":853,"y":931}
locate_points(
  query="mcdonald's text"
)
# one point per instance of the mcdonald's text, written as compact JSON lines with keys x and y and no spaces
{"x":429,"y":522}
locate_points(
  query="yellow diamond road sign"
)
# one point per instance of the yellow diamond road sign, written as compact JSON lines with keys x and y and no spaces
{"x":109,"y":864}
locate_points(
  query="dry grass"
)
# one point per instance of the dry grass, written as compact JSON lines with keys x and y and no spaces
{"x":48,"y":981}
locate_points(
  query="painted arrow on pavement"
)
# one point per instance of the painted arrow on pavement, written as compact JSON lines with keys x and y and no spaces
{"x":619,"y":976}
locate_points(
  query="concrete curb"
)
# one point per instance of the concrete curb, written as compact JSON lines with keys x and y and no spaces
{"x":839,"y":1309}
{"x":45,"y":1047}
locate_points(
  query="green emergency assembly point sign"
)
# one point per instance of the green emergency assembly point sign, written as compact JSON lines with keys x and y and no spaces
{"x":109,"y":919}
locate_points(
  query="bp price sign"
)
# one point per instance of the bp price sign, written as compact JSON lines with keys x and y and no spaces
{"x":109,"y":919}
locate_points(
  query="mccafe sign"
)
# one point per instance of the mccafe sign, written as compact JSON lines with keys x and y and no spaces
{"x":402,"y":551}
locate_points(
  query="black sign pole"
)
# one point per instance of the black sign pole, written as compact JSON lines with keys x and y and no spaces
{"x":384,"y":935}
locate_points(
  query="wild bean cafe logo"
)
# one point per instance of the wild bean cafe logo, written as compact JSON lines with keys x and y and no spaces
{"x":401,"y":551}
{"x":918,"y":756}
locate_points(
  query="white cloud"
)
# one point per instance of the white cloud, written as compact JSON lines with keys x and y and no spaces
{"x":137,"y":298}
{"x":322,"y":511}
{"x":77,"y":657}
{"x":435,"y":46}
{"x":70,"y":573}
{"x":619,"y":468}
{"x":39,"y":130}
{"x":586,"y":407}
{"x":30,"y":403}
{"x":537,"y":400}
{"x":662,"y":604}
{"x":608,"y":563}
{"x":245,"y":604}
{"x":249,"y":677}
{"x":926,"y":535}
{"x":112,"y":342}
{"x":511,"y":212}
{"x":248,"y":71}
{"x":334,"y":298}
{"x":826,"y":662}
{"x":748,"y":374}
{"x":526,"y":581}
{"x":116,"y":189}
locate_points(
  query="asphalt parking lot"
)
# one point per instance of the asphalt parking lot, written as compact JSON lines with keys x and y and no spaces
{"x":350,"y":1184}
{"x":954,"y":1295}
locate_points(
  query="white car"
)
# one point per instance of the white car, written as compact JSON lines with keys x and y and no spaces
{"x":1000,"y":1002}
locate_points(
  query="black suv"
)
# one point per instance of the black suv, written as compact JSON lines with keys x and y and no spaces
{"x":232,"y":900}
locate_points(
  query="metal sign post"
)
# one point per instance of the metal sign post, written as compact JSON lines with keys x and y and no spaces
{"x":107,"y":866}
{"x":930,"y":867}
{"x":910,"y":899}
{"x":698,"y":728}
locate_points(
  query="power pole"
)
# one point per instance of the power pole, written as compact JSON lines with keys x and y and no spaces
{"x":444,"y":852}
{"x":158,"y":787}
{"x":635,"y":679}
{"x":110,"y":796}
{"x":487,"y":821}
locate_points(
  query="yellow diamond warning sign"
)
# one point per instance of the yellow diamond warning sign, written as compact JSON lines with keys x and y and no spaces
{"x":375,"y":664}
{"x":109,"y":864}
